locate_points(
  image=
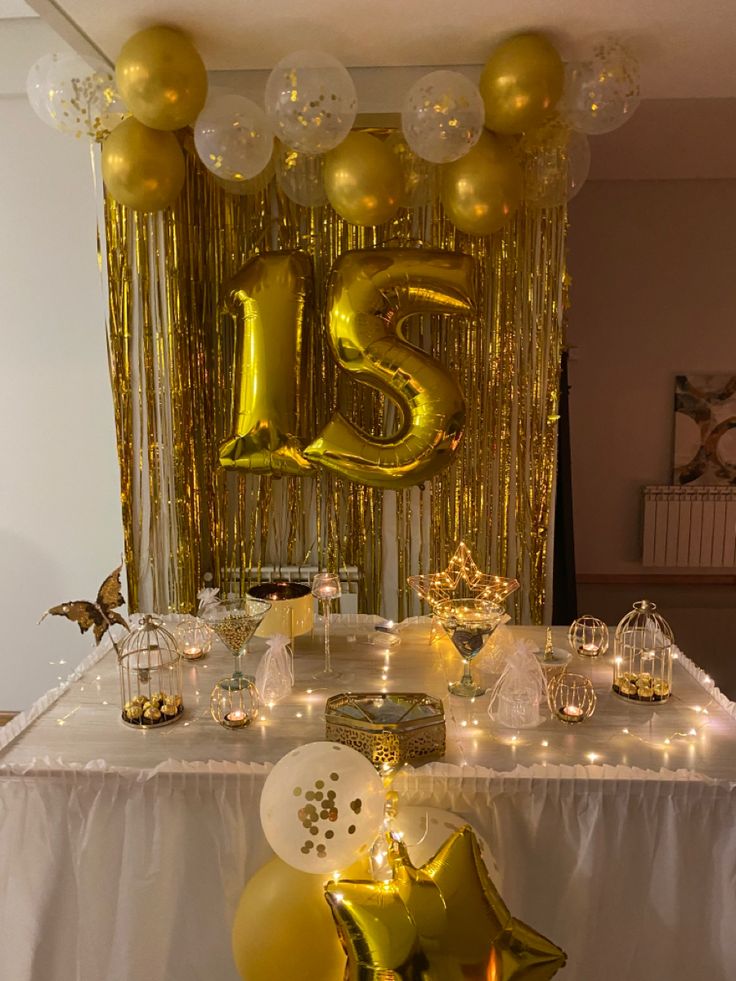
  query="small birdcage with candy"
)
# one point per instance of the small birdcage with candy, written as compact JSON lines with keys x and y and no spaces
{"x":642,"y":664}
{"x":150,"y":676}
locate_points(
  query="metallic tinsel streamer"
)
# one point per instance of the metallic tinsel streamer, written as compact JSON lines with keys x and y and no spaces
{"x":171,"y":350}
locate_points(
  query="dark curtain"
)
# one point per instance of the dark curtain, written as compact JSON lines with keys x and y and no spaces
{"x":564,"y":584}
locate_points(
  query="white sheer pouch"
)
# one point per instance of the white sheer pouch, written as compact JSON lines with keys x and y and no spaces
{"x":275,"y":674}
{"x":519,"y":691}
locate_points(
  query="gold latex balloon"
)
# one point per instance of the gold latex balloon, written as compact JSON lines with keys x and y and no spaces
{"x":363,"y":180}
{"x":482,"y":190}
{"x":161,"y":78}
{"x":268,"y":298}
{"x":443,"y":921}
{"x":283,"y":928}
{"x":370,"y":296}
{"x":142,"y":168}
{"x":521,"y":83}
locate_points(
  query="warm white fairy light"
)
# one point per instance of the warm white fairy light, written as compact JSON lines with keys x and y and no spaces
{"x":545,"y":743}
{"x":593,"y":757}
{"x":299,"y":715}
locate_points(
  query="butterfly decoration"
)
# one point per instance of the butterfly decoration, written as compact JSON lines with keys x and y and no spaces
{"x":99,"y":615}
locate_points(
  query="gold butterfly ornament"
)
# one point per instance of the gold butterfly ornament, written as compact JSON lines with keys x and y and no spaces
{"x":101,"y":614}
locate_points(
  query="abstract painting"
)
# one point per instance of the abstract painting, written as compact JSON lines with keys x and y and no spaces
{"x":705,"y":429}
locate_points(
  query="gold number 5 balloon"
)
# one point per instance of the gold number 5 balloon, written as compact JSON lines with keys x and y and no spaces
{"x":268,"y":297}
{"x":371,"y":295}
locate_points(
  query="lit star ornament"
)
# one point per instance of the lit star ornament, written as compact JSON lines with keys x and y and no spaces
{"x":462,"y":577}
{"x":444,"y":921}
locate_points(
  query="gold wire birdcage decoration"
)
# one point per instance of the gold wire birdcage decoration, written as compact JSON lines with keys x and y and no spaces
{"x":642,"y":663}
{"x":588,"y":636}
{"x":150,"y":676}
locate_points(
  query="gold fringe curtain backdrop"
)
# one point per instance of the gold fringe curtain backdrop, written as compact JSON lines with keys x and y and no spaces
{"x":171,"y":352}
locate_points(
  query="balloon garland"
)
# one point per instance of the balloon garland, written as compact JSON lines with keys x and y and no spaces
{"x":521,"y":134}
{"x":418,"y":902}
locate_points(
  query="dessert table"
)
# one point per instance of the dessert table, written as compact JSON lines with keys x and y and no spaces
{"x":123,"y":853}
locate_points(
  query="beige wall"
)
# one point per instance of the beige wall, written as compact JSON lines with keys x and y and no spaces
{"x":653,"y":267}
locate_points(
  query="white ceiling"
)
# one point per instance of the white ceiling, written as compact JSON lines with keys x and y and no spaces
{"x":15,"y":8}
{"x":685,"y":46}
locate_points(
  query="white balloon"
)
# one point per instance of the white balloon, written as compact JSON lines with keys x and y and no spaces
{"x":233,"y":137}
{"x":74,"y":96}
{"x":322,"y":807}
{"x":311,"y":101}
{"x":442,"y":116}
{"x":425,"y":829}
{"x":601,"y":90}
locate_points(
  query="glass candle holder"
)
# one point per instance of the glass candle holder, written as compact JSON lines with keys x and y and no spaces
{"x":193,"y":638}
{"x":571,"y":698}
{"x":588,"y":636}
{"x":234,"y":702}
{"x":326,"y":588}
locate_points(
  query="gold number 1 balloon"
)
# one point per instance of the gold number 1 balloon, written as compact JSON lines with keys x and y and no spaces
{"x":268,"y":297}
{"x":370,"y":296}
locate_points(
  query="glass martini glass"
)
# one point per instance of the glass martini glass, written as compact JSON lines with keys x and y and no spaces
{"x":468,"y":623}
{"x":235,"y":621}
{"x":326,"y":589}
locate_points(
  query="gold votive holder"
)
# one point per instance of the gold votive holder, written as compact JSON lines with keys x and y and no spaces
{"x":234,"y":701}
{"x":388,"y":729}
{"x":571,"y":698}
{"x":588,"y":636}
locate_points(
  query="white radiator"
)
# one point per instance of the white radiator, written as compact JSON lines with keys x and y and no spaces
{"x":349,"y":578}
{"x":690,"y":527}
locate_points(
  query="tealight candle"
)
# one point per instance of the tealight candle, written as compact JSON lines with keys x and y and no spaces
{"x":572,"y":712}
{"x":192,"y":653}
{"x":236,"y":719}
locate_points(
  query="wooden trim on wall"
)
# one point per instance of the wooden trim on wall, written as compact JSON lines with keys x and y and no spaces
{"x":657,"y":579}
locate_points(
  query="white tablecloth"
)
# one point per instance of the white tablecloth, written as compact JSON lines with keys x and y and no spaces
{"x":123,"y":853}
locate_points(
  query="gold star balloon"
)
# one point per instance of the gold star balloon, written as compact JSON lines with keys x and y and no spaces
{"x":444,"y":921}
{"x":462,"y":578}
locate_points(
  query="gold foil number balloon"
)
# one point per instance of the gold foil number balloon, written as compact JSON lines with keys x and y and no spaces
{"x":521,"y":83}
{"x":142,"y":168}
{"x":283,"y":929}
{"x":482,"y":190}
{"x":161,"y":77}
{"x":370,"y":296}
{"x":442,"y":921}
{"x":268,"y":297}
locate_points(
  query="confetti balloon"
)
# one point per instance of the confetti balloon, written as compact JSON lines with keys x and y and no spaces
{"x":601,"y":91}
{"x":442,"y":116}
{"x":322,"y":807}
{"x":420,"y":178}
{"x":233,"y":137}
{"x":301,"y":177}
{"x":311,"y":101}
{"x":75,"y":97}
{"x":555,"y":161}
{"x":254,"y":185}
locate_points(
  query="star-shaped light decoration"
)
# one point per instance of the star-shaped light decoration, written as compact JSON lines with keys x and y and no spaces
{"x":444,"y":921}
{"x":462,"y":577}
